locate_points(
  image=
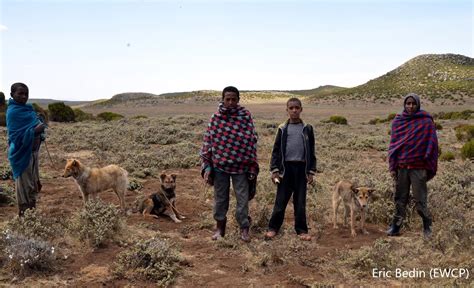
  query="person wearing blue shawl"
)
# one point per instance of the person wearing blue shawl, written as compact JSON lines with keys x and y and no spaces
{"x":24,"y":129}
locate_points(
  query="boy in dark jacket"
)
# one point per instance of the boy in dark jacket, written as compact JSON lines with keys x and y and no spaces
{"x":293,"y":166}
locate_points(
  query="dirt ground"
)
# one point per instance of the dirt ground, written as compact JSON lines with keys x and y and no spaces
{"x":208,"y":264}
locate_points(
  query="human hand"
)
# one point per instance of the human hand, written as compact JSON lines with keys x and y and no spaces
{"x":206,"y":175}
{"x":309,"y":178}
{"x":251,"y":176}
{"x":276,"y":178}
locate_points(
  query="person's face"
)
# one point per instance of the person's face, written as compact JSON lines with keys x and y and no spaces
{"x":230,"y":100}
{"x":410,"y":105}
{"x":294,"y":110}
{"x":20,"y":95}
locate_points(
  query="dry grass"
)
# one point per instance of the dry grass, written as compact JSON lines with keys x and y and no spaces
{"x":357,"y":152}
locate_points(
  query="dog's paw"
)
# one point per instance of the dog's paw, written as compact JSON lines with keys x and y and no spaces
{"x":177,"y":221}
{"x":182,"y":217}
{"x":353,"y":233}
{"x":365,"y":232}
{"x":335,"y":227}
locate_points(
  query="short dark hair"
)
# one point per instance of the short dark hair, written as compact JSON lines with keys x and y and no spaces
{"x":17,"y":85}
{"x":231,"y":89}
{"x":294,"y":100}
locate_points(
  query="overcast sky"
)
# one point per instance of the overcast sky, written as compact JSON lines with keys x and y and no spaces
{"x":86,"y":50}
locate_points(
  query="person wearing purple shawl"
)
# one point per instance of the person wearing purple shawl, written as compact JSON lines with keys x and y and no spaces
{"x":413,"y":161}
{"x":24,"y":129}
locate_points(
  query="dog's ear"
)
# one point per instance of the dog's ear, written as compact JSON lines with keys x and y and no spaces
{"x":162,"y":177}
{"x":174,"y":176}
{"x":371,"y":190}
{"x":74,"y":162}
{"x":355,"y":190}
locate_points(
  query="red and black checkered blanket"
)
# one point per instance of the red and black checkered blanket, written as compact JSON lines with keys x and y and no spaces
{"x":230,"y":141}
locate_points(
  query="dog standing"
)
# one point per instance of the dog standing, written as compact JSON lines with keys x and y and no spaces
{"x":163,"y":201}
{"x":91,"y":181}
{"x":354,"y":200}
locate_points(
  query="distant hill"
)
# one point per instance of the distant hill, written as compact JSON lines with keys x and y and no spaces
{"x":45,"y":102}
{"x":318,"y":92}
{"x":432,"y":75}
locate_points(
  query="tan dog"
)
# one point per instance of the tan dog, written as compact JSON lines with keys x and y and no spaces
{"x":163,"y":201}
{"x":354,"y":199}
{"x":91,"y":181}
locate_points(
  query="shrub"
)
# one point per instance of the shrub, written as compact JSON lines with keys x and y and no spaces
{"x":97,"y":223}
{"x":25,"y":255}
{"x":336,"y":120}
{"x":438,"y":126}
{"x":447,"y":156}
{"x":34,"y":225}
{"x":467,"y":150}
{"x":42,"y":113}
{"x":7,"y":195}
{"x":464,"y":132}
{"x":109,"y":116}
{"x":5,"y":172}
{"x":2,"y":102}
{"x":466,"y":114}
{"x":153,"y":259}
{"x":61,"y":112}
{"x":367,"y":258}
{"x":80,"y":115}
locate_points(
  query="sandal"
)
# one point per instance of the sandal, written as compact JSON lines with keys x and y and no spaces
{"x":305,"y":237}
{"x":270,"y":234}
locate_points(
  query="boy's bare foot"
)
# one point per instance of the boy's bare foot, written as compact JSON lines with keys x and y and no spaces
{"x":305,"y":237}
{"x":270,"y":235}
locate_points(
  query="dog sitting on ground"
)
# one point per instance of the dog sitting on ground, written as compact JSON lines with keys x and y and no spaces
{"x":91,"y":181}
{"x":354,"y":200}
{"x":163,"y":201}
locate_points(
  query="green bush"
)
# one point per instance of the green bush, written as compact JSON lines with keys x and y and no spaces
{"x":80,"y":115}
{"x":41,"y":112}
{"x":464,"y":132}
{"x":97,"y":223}
{"x":467,"y":151}
{"x":34,"y":225}
{"x":152,"y":259}
{"x":447,"y":156}
{"x":466,"y":114}
{"x":61,"y":112}
{"x":337,"y":120}
{"x":438,"y":126}
{"x":3,"y":104}
{"x":109,"y":116}
{"x":7,"y":195}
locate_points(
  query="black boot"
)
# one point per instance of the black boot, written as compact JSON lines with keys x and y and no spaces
{"x":394,"y":229}
{"x":244,"y":234}
{"x":220,"y":229}
{"x":427,"y":233}
{"x":22,"y":208}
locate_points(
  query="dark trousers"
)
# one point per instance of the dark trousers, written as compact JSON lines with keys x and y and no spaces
{"x":293,"y":182}
{"x":416,"y":178}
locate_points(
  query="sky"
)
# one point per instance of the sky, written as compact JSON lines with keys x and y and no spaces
{"x":87,"y":50}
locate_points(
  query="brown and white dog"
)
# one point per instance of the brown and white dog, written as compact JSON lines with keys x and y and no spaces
{"x":354,"y":199}
{"x":163,"y":201}
{"x":91,"y":181}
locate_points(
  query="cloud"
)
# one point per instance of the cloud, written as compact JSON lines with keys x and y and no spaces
{"x":3,"y":28}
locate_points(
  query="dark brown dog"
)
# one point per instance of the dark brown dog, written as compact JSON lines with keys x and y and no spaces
{"x":162,"y":202}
